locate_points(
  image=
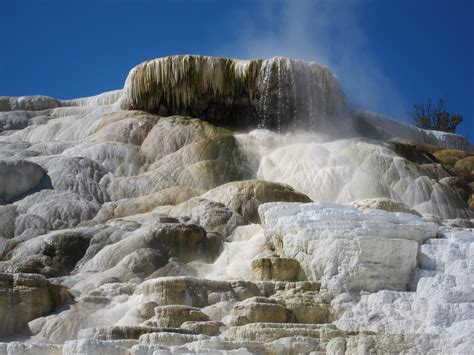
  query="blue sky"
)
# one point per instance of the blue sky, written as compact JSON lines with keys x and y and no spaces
{"x":386,"y":53}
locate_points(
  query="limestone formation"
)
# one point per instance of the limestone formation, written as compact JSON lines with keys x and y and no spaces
{"x":212,"y":216}
{"x":26,"y":349}
{"x":169,"y":338}
{"x":450,"y":156}
{"x":306,"y":301}
{"x":414,"y":151}
{"x":230,"y":92}
{"x":244,"y":197}
{"x":54,"y":209}
{"x":170,"y":134}
{"x":329,"y":233}
{"x":459,"y":185}
{"x":177,"y":216}
{"x":174,"y":316}
{"x":260,"y":310}
{"x":278,"y":269}
{"x":465,"y":166}
{"x":387,"y":128}
{"x":204,"y":165}
{"x":52,"y":255}
{"x":347,"y":170}
{"x":384,"y":204}
{"x":128,"y":127}
{"x":124,"y":332}
{"x":195,"y":292}
{"x":8,"y":215}
{"x":25,"y":297}
{"x":29,"y":103}
{"x":92,"y":346}
{"x":18,"y":177}
{"x":210,"y":328}
{"x":265,"y":332}
{"x":131,"y":206}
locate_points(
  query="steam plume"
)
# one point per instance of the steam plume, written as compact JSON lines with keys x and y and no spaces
{"x":328,"y":32}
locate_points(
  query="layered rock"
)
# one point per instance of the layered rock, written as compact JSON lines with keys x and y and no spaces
{"x":202,"y":164}
{"x":146,"y":219}
{"x":175,"y":315}
{"x":384,"y":204}
{"x":119,"y":332}
{"x":378,"y":249}
{"x":451,"y":156}
{"x":170,"y":338}
{"x":131,"y":206}
{"x":260,"y":310}
{"x":92,"y":346}
{"x":25,"y":349}
{"x":265,"y":332}
{"x":387,"y":128}
{"x":52,"y":255}
{"x":210,"y":328}
{"x":279,"y":269}
{"x":25,"y":297}
{"x":212,"y":216}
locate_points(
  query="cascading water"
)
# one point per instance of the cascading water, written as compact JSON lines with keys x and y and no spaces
{"x":294,"y":94}
{"x":264,"y":87}
{"x":277,"y":93}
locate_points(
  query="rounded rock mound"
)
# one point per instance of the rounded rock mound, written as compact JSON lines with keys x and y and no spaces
{"x":18,"y":177}
{"x":244,"y":197}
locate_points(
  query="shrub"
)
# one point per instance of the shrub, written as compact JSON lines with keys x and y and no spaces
{"x":428,"y":116}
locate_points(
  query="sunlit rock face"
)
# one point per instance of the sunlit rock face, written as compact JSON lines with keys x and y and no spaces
{"x":442,"y":299}
{"x":378,"y":249}
{"x":276,"y":93}
{"x":415,"y":276}
{"x":244,"y":197}
{"x":382,"y":127}
{"x":156,"y":219}
{"x":351,"y":169}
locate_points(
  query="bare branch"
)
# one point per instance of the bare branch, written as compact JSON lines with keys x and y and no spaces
{"x":428,"y":116}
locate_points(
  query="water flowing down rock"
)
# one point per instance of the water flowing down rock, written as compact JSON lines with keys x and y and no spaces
{"x":274,"y":93}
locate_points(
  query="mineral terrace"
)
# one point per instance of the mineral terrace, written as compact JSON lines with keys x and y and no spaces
{"x":220,"y":206}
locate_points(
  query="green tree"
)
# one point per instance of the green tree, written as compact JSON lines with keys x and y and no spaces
{"x":435,"y":117}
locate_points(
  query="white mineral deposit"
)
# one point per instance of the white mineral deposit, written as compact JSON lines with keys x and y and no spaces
{"x":225,"y":206}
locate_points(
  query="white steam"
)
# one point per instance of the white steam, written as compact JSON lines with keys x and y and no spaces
{"x":325,"y":31}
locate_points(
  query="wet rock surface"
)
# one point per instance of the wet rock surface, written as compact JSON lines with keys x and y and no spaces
{"x":230,"y":92}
